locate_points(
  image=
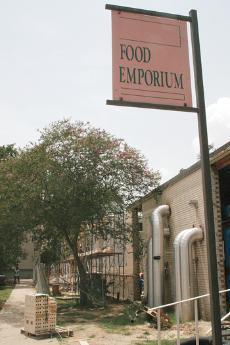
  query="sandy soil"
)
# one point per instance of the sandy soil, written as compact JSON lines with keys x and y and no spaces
{"x":131,"y":335}
{"x":12,"y":315}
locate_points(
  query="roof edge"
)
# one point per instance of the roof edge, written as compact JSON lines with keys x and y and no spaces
{"x":220,"y":152}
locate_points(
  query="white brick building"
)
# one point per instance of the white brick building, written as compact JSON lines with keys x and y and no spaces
{"x":184,"y":195}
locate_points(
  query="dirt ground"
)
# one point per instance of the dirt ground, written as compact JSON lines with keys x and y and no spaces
{"x":131,"y":335}
{"x":96,"y":334}
{"x":94,"y":327}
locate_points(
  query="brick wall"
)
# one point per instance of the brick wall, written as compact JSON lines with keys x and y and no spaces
{"x":219,"y":236}
{"x":185,"y":215}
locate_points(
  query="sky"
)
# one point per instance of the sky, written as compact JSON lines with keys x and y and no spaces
{"x":56,"y":62}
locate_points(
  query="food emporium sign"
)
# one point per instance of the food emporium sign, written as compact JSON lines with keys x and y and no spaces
{"x":151,"y":70}
{"x":150,"y":59}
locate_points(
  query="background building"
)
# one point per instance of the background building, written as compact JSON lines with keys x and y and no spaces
{"x":183,"y":194}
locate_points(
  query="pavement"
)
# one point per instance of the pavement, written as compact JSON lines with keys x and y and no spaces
{"x":12,"y":318}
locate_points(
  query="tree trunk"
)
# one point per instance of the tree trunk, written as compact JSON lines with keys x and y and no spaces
{"x":84,"y":281}
{"x":74,"y":275}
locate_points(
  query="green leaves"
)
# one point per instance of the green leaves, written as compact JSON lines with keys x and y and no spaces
{"x":75,"y":175}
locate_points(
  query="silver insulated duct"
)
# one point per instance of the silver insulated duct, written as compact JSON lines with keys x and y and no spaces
{"x":178,"y":265}
{"x":183,"y":269}
{"x":157,"y":269}
{"x":150,"y":273}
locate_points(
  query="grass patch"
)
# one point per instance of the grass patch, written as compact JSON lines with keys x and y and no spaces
{"x":118,"y":322}
{"x":66,"y":304}
{"x":114,"y":323}
{"x":5,"y":292}
{"x":112,"y":318}
{"x":70,"y":312}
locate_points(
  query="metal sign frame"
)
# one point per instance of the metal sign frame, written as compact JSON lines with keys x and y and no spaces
{"x":205,"y":163}
{"x":142,"y":69}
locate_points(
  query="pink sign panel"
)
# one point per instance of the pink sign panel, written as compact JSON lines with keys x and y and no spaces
{"x":150,"y":60}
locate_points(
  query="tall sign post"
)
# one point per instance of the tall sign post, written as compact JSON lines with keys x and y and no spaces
{"x":207,"y":186}
{"x":151,"y":70}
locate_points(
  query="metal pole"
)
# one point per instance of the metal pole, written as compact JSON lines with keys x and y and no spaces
{"x":158,"y":326}
{"x":196,"y":322}
{"x":178,"y":310}
{"x":207,"y":187}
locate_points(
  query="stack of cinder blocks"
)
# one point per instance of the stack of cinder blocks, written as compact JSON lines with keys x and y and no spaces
{"x":40,"y":314}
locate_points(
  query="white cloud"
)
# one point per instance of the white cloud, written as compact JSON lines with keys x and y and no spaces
{"x":218,"y":123}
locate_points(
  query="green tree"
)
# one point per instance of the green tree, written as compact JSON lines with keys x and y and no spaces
{"x":11,"y":234}
{"x":8,"y":151}
{"x":75,"y":176}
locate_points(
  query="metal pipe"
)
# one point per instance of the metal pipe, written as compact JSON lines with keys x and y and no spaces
{"x":159,"y":327}
{"x":178,"y":324}
{"x":183,"y":267}
{"x":196,"y":321}
{"x":176,"y":245}
{"x":187,"y":240}
{"x":150,"y":274}
{"x":157,"y":252}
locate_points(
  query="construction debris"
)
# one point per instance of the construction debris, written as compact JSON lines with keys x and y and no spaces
{"x":165,"y":322}
{"x":136,"y":308}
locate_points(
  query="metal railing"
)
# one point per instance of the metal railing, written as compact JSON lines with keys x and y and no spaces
{"x":178,"y":310}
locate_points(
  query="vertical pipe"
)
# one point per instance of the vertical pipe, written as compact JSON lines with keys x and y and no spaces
{"x":207,"y":190}
{"x":178,"y":323}
{"x":196,"y":321}
{"x":158,"y":251}
{"x":150,"y":274}
{"x":177,"y":255}
{"x":186,"y":241}
{"x":159,"y":326}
